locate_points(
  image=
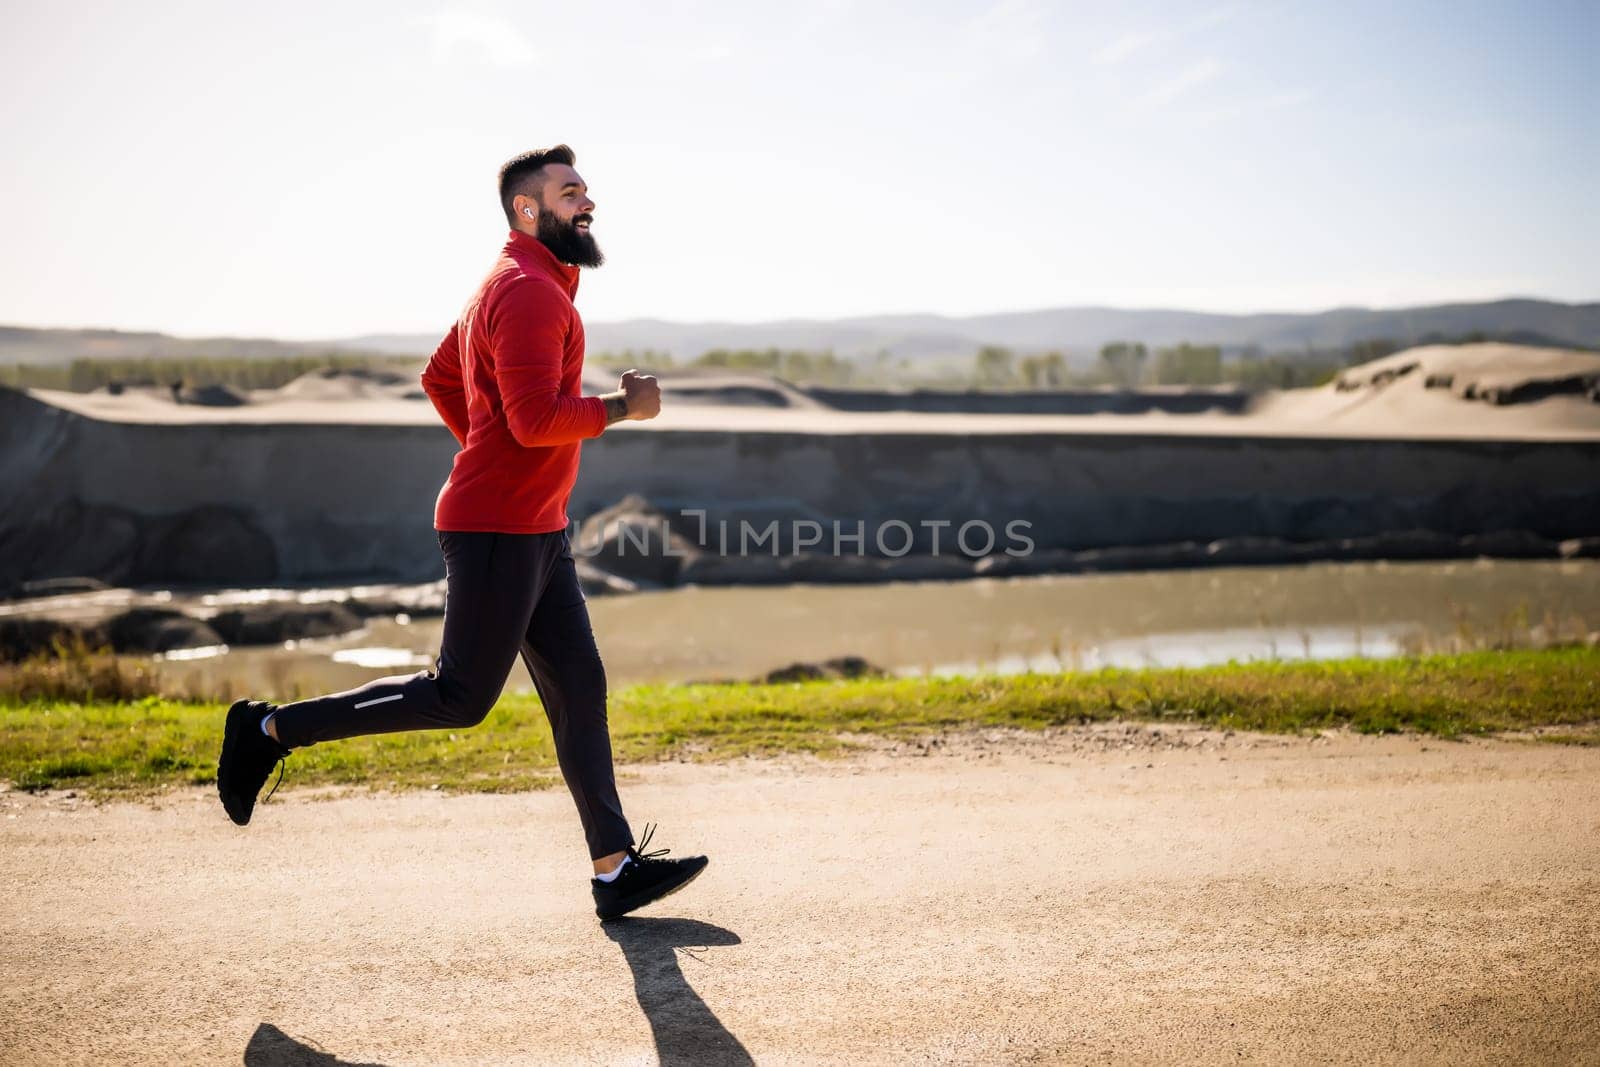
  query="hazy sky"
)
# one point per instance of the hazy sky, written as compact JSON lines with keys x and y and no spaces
{"x":328,"y":169}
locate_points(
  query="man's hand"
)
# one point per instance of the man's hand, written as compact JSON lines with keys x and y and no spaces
{"x":643,"y":393}
{"x":638,"y":398}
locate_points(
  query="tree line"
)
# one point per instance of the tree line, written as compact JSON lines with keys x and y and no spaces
{"x":1132,"y":364}
{"x":89,"y":374}
{"x":1120,"y":364}
{"x":795,"y":365}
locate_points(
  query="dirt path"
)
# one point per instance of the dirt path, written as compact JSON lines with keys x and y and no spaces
{"x":1063,"y":899}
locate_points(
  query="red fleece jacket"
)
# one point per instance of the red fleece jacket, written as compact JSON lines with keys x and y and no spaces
{"x":505,"y":379}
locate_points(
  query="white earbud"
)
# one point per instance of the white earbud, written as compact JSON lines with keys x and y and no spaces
{"x":528,"y":212}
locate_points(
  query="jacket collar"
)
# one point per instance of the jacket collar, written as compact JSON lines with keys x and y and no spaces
{"x":532,"y":250}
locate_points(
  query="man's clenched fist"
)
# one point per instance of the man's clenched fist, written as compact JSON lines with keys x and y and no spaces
{"x":643,"y":394}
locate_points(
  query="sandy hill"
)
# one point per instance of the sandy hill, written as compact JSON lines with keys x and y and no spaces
{"x":1463,"y":389}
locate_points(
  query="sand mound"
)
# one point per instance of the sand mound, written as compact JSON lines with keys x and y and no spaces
{"x":1499,"y":373}
{"x":1471,"y":389}
{"x":331,"y":384}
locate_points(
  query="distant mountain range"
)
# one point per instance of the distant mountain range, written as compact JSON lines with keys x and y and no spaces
{"x":23,"y":344}
{"x":1079,"y":332}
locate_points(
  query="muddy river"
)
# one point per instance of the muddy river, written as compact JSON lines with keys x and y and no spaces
{"x":1166,"y":618}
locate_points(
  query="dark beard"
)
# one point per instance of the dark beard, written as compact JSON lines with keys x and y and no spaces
{"x":566,"y":243}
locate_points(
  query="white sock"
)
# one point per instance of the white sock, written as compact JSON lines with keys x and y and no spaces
{"x":266,"y":719}
{"x":612,"y":877}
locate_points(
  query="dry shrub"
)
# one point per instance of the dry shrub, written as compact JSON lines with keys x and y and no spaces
{"x":73,"y":671}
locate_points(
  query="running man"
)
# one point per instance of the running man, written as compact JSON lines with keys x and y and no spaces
{"x":506,"y":381}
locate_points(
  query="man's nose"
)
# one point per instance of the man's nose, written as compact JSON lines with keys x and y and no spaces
{"x":587,"y":205}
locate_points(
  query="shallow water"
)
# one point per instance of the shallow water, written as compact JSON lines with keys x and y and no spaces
{"x":1170,"y":618}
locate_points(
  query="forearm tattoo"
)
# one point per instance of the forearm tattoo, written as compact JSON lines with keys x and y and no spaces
{"x":616,"y":407}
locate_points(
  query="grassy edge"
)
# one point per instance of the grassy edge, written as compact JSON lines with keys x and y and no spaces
{"x":140,"y":746}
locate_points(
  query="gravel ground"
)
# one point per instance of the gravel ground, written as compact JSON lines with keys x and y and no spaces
{"x":1104,"y":894}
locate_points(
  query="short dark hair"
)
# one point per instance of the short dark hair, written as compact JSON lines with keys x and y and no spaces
{"x":519,"y":174}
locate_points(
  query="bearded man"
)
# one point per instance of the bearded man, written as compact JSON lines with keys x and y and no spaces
{"x":506,"y":381}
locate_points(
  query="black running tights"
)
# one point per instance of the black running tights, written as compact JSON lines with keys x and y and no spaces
{"x":505,"y":595}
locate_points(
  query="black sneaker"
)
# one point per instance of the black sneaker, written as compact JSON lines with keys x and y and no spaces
{"x":645,"y":878}
{"x":248,"y":756}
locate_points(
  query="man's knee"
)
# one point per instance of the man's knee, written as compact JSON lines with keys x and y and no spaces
{"x":463,"y":706}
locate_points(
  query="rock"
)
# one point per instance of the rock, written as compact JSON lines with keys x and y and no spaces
{"x":158,"y":630}
{"x":853,"y":667}
{"x":1580,"y":548}
{"x":1514,"y":389}
{"x":597,"y":582}
{"x":1389,"y":374}
{"x":794,"y":672}
{"x":271,"y":624}
{"x":634,"y":539}
{"x":838,"y":667}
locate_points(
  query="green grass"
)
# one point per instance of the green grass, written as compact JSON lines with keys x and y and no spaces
{"x":106,"y":747}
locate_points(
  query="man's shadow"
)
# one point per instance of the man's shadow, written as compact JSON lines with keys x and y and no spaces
{"x":685,"y":1030}
{"x":271,"y":1047}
